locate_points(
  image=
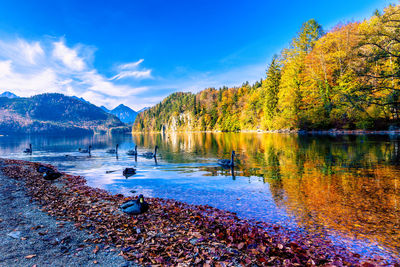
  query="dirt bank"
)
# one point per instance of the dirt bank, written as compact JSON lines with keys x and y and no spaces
{"x":30,"y":236}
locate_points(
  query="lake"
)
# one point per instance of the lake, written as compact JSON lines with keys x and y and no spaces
{"x":345,"y":187}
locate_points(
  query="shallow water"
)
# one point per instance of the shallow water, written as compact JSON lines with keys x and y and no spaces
{"x":346,"y":188}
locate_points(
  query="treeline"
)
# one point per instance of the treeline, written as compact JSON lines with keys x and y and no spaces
{"x":346,"y":78}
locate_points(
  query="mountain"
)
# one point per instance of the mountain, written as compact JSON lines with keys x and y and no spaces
{"x":105,"y":109}
{"x":8,"y":95}
{"x":81,"y":99}
{"x":124,"y":113}
{"x":143,"y":109}
{"x":55,"y":114}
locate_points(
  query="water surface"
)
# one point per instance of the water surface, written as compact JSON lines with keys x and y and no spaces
{"x":345,"y":188}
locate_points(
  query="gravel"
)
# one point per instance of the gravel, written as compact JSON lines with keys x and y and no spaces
{"x":30,"y":237}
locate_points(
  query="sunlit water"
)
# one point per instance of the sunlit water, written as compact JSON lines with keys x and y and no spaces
{"x":345,"y":188}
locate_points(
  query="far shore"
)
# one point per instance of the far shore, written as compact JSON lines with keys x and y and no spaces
{"x":288,"y":131}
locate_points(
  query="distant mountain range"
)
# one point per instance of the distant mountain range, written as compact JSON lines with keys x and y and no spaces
{"x":143,"y":109}
{"x":124,"y":113}
{"x":55,"y":114}
{"x":105,"y":109}
{"x":8,"y":95}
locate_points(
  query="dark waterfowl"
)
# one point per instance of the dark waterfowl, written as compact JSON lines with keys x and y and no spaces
{"x":71,"y":157}
{"x":85,"y":150}
{"x":28,"y":150}
{"x":43,"y":169}
{"x":132,"y":152}
{"x":227,"y":162}
{"x":51,"y":176}
{"x":129,"y":172}
{"x":135,"y":206}
{"x":48,"y":173}
{"x":113,"y":150}
{"x":151,"y":154}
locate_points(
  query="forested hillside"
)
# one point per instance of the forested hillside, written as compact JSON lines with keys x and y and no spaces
{"x":346,"y":78}
{"x":54,"y":113}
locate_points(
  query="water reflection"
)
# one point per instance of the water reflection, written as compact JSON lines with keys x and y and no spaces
{"x":348,"y":184}
{"x":336,"y":185}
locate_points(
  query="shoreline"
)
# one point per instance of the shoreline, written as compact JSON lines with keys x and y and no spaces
{"x":287,"y":131}
{"x":172,"y":232}
{"x":31,"y":237}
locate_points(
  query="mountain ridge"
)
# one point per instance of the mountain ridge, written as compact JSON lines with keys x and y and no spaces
{"x":124,"y":113}
{"x":55,"y":114}
{"x":8,"y":94}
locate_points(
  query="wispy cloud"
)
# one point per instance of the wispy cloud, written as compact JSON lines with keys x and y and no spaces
{"x":131,"y":65}
{"x":68,"y":56}
{"x":135,"y":74}
{"x":131,"y":70}
{"x":28,"y":68}
{"x":34,"y":67}
{"x":195,"y":81}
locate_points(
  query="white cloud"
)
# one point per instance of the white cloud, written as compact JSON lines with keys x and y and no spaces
{"x":21,"y":52}
{"x":5,"y":68}
{"x":131,"y":70}
{"x":99,"y":83}
{"x":68,"y":56}
{"x":131,"y":65}
{"x":31,"y":51}
{"x":134,"y":73}
{"x":29,"y":68}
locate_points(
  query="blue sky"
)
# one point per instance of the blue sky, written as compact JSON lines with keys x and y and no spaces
{"x":138,"y":52}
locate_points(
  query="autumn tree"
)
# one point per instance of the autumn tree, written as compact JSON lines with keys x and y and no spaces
{"x":271,"y":88}
{"x":379,"y":61}
{"x":290,"y":92}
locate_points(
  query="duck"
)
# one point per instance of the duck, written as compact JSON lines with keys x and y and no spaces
{"x":132,"y":152}
{"x":129,"y":172}
{"x":29,"y":149}
{"x":151,"y":154}
{"x":85,"y":150}
{"x":52,"y":175}
{"x":138,"y":206}
{"x":227,"y":162}
{"x":48,"y":173}
{"x":43,"y":169}
{"x":113,"y":150}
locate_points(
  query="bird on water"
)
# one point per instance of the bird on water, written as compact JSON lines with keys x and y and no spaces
{"x":227,"y":162}
{"x":151,"y":154}
{"x":113,"y":150}
{"x":85,"y":150}
{"x":128,"y":172}
{"x":29,"y":149}
{"x":132,"y":152}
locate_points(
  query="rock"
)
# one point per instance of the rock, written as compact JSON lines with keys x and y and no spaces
{"x":15,"y":234}
{"x":193,"y":241}
{"x":64,"y":249}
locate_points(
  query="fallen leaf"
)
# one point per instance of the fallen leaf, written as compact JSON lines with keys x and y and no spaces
{"x":30,"y":256}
